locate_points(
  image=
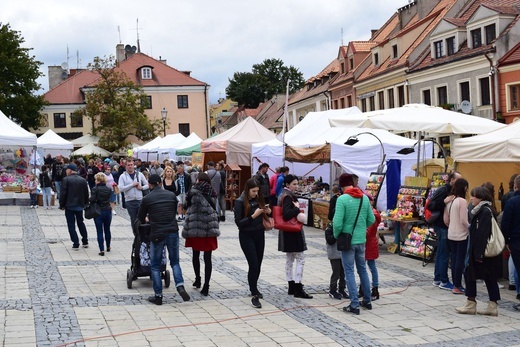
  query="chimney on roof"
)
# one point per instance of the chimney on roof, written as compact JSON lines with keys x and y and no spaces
{"x":120,"y":52}
{"x":186,"y":73}
{"x":373,"y":32}
{"x":57,"y":74}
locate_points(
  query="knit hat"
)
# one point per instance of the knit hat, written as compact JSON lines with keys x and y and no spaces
{"x":72,"y":167}
{"x":346,"y":180}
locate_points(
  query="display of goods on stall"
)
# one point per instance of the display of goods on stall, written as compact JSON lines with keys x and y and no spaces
{"x":410,"y":203}
{"x":415,"y":246}
{"x":438,"y":180}
{"x":375,"y":181}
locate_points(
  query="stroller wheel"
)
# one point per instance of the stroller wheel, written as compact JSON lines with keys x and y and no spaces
{"x":129,"y":278}
{"x":167,"y":278}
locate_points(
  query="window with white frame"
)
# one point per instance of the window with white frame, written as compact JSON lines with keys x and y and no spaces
{"x":464,"y":91}
{"x":476,"y":38}
{"x":426,"y":97}
{"x":146,"y":73}
{"x":514,"y":97}
{"x":491,"y":34}
{"x":391,"y":101}
{"x":450,"y":45}
{"x":442,"y":96}
{"x":485,"y":94}
{"x":438,"y":49}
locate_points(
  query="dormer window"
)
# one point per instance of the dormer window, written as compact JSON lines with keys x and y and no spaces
{"x":438,"y":49}
{"x":490,"y":33}
{"x":394,"y":51}
{"x":146,"y":73}
{"x":476,"y":38}
{"x":351,"y":62}
{"x":450,"y":45}
{"x":376,"y":59}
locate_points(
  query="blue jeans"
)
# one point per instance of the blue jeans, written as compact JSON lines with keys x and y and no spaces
{"x":373,"y":270}
{"x":156,"y":248}
{"x":443,"y":255}
{"x":356,"y":255}
{"x":47,"y":197}
{"x":57,"y":184}
{"x":76,"y":216}
{"x":458,"y":257}
{"x":132,"y":207}
{"x":103,"y":222}
{"x":34,"y":199}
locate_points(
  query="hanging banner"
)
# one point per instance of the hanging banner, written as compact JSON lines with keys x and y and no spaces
{"x":317,"y":154}
{"x":197,"y":159}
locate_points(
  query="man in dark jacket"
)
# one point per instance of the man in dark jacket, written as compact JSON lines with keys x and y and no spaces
{"x":73,"y":198}
{"x":440,"y":277}
{"x":263,"y":180}
{"x":511,"y":225}
{"x":160,"y":206}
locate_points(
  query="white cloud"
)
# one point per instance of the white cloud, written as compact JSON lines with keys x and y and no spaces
{"x":213,"y":39}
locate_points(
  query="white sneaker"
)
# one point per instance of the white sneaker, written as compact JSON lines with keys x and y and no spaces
{"x":114,"y":212}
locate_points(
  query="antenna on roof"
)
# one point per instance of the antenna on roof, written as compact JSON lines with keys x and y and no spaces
{"x":78,"y":61}
{"x":119,"y":33}
{"x":138,"y":43}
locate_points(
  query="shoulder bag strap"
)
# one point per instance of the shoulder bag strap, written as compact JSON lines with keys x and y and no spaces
{"x":359,"y":210}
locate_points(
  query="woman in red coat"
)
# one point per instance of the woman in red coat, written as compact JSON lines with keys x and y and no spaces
{"x":372,"y":252}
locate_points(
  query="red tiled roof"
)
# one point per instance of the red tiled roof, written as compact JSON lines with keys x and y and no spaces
{"x":361,"y":46}
{"x":431,"y":21}
{"x":511,"y":57}
{"x":425,"y":60}
{"x":68,"y":92}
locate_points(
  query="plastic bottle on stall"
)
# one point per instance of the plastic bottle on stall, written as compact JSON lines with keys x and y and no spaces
{"x":500,"y":191}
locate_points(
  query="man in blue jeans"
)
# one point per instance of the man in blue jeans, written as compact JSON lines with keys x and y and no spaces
{"x":353,"y":216}
{"x":73,"y":198}
{"x":440,"y":275}
{"x":160,"y":207}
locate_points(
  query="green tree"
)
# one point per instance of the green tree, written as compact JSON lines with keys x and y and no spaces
{"x":18,"y":82}
{"x":115,"y":107}
{"x":267,"y":79}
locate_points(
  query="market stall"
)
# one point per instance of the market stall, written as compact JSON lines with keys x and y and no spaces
{"x":53,"y":144}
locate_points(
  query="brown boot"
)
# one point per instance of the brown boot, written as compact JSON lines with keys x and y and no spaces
{"x":469,"y":308}
{"x":491,"y":309}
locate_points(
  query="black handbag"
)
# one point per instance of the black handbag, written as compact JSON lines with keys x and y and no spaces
{"x":345,"y":239}
{"x":92,"y":210}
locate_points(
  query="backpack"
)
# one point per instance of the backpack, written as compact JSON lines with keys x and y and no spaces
{"x":430,"y":216}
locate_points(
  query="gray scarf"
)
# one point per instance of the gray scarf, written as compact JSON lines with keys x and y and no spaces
{"x":477,"y":208}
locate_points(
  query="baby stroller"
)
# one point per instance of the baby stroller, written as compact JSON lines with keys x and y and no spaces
{"x":140,"y":258}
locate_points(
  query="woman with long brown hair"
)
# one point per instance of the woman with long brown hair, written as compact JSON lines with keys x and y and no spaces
{"x":249,"y":211}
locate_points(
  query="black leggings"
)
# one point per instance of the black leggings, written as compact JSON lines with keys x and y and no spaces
{"x":253,"y":244}
{"x":208,"y":267}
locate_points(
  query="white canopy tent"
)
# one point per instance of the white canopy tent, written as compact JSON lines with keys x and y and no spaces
{"x":85,"y":140}
{"x":419,"y":117}
{"x":144,"y":151}
{"x":361,"y":159}
{"x":53,"y":144}
{"x":91,"y":149}
{"x":237,"y":141}
{"x":13,"y":135}
{"x":190,"y":145}
{"x":494,"y":156}
{"x":167,"y":145}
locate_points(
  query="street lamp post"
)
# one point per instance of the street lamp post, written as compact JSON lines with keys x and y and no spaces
{"x":164,"y":115}
{"x":409,"y":150}
{"x":352,"y":140}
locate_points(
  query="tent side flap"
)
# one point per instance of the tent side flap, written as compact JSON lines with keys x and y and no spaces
{"x":314,"y":154}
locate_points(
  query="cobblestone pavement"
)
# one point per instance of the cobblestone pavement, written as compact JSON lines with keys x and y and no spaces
{"x":53,"y":296}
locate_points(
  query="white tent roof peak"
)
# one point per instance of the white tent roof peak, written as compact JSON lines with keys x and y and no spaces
{"x":91,"y":149}
{"x":51,"y":140}
{"x":11,"y":134}
{"x":85,"y":140}
{"x":419,"y":117}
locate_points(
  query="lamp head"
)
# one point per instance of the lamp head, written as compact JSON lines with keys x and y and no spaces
{"x":407,"y":150}
{"x":352,"y":141}
{"x":164,"y":113}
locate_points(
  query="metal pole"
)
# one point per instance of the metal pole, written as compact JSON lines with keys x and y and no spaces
{"x":285,"y":120}
{"x":418,"y":153}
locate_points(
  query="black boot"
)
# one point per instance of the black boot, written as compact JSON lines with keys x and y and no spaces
{"x":375,"y":294}
{"x":299,"y":292}
{"x":360,"y":292}
{"x":291,"y":289}
{"x":205,"y":289}
{"x":196,"y":284}
{"x":155,"y":299}
{"x":222,"y":218}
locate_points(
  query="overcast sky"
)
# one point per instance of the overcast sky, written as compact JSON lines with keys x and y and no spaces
{"x":211,"y":38}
